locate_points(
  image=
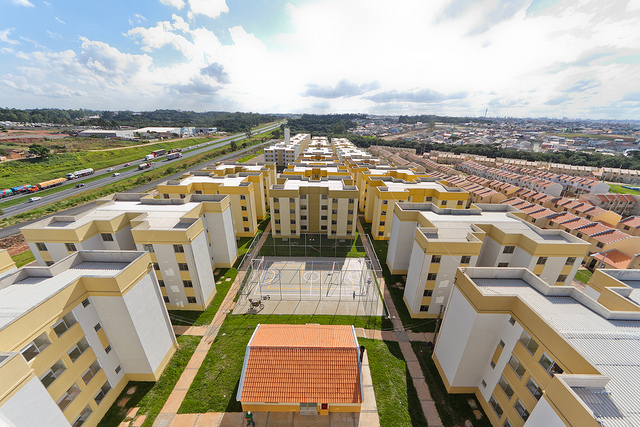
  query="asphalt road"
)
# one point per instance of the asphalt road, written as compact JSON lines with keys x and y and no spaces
{"x":109,"y":179}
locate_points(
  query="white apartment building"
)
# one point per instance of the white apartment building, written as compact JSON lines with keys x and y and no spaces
{"x":287,"y":151}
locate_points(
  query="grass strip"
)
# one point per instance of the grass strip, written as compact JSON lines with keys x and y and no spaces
{"x":454,"y":409}
{"x":584,"y":276}
{"x":396,"y":397}
{"x":150,"y":397}
{"x":215,"y":386}
{"x":23,"y":258}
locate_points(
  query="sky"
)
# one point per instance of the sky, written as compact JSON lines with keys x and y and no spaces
{"x":519,"y":58}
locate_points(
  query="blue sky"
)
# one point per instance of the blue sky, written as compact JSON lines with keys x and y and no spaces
{"x":521,"y":58}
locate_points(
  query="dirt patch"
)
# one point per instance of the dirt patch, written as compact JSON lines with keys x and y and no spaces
{"x":14,"y":244}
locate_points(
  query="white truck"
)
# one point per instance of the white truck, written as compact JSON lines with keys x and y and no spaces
{"x":143,"y":166}
{"x":149,"y":157}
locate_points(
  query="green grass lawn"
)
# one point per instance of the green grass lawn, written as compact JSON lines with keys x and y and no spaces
{"x":584,"y":276}
{"x":618,"y":189}
{"x":23,"y":258}
{"x":416,"y":325}
{"x":313,"y":245}
{"x":216,"y":384}
{"x":396,"y":397}
{"x":454,"y":409}
{"x":150,"y":397}
{"x":200,"y":318}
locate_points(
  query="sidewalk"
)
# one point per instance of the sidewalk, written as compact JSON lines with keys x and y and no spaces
{"x":403,"y":338}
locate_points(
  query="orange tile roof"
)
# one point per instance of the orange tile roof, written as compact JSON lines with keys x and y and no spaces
{"x":301,"y":363}
{"x":632,"y":221}
{"x":614,"y":258}
{"x":610,"y":236}
{"x":593,"y":228}
{"x":542,"y":213}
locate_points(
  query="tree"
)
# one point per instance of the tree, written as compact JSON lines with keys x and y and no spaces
{"x":39,"y":150}
{"x":276,"y":133}
{"x":233,"y":145}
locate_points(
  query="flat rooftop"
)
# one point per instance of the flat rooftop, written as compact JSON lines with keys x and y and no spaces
{"x":29,"y":287}
{"x":608,"y":340}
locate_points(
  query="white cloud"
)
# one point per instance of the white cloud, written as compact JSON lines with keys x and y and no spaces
{"x":210,"y":8}
{"x":59,"y":20}
{"x":54,"y":35}
{"x":25,"y":3}
{"x":4,"y":36}
{"x":179,"y":4}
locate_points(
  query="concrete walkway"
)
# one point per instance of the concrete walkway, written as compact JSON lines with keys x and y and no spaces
{"x":403,"y":338}
{"x":169,"y":410}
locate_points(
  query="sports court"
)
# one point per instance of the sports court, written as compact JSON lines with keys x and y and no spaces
{"x":296,"y":285}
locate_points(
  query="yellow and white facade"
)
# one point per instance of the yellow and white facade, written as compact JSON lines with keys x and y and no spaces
{"x":428,"y":244}
{"x":301,"y":205}
{"x":263,"y":177}
{"x":187,"y":239}
{"x":287,"y":151}
{"x":73,"y":334}
{"x":246,"y":195}
{"x":535,"y":354}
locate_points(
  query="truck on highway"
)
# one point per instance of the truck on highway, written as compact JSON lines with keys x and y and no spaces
{"x":143,"y":166}
{"x":149,"y":157}
{"x":160,"y":152}
{"x":174,"y":156}
{"x":175,"y":150}
{"x":80,"y":173}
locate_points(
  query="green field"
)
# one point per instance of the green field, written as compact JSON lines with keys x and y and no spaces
{"x":23,"y":258}
{"x":616,"y":188}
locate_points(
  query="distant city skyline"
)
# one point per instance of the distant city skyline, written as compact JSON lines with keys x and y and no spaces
{"x":518,"y":58}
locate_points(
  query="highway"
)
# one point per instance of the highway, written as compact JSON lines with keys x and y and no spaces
{"x":109,"y":179}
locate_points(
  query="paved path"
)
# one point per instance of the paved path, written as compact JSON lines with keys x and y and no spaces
{"x":169,"y":410}
{"x":403,"y":338}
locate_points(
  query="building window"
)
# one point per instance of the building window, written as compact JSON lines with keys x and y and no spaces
{"x":501,"y":344}
{"x":179,"y":249}
{"x":460,"y":202}
{"x":108,"y":349}
{"x":243,"y":197}
{"x":64,"y":324}
{"x":183,"y":266}
{"x":41,"y":247}
{"x":383,"y":213}
{"x":350,"y":222}
{"x":107,"y":237}
{"x":549,"y":365}
{"x":148,"y":248}
{"x":512,"y":320}
{"x":435,"y":259}
{"x":53,"y":374}
{"x":323,"y":218}
{"x":277,"y":211}
{"x":432,"y":276}
{"x":334,"y":200}
{"x":198,"y":192}
{"x":508,"y":249}
{"x":492,"y":364}
{"x":496,"y":407}
{"x":303,"y":227}
{"x":103,"y":391}
{"x":428,"y":199}
{"x":303,"y":207}
{"x":503,"y":264}
{"x":517,"y":367}
{"x":83,"y":417}
{"x":246,"y":229}
{"x":323,"y":227}
{"x":303,"y":217}
{"x":156,"y":266}
{"x":49,"y":263}
{"x":351,"y":200}
{"x":542,"y":260}
{"x":465,"y":259}
{"x":191,"y":300}
{"x":187,"y":283}
{"x":97,"y":327}
{"x":504,"y":385}
{"x":427,"y":293}
{"x":69,"y":396}
{"x":78,"y":349}
{"x":334,"y":222}
{"x":303,"y":196}
{"x":483,"y":383}
{"x":424,"y":308}
{"x":579,"y":235}
{"x":521,"y":410}
{"x":334,"y":212}
{"x":380,"y":233}
{"x":161,"y":283}
{"x":71,"y":247}
{"x":384,"y":202}
{"x":36,"y":346}
{"x":91,"y":372}
{"x":535,"y":390}
{"x":166,"y":196}
{"x":86,"y":302}
{"x":182,"y":196}
{"x":325,"y":197}
{"x":324,"y":208}
{"x":528,"y":342}
{"x":118,"y":369}
{"x":245,"y":218}
{"x":166,"y":299}
{"x":562,"y":278}
{"x":443,"y":203}
{"x":277,"y":221}
{"x":506,"y":423}
{"x":600,"y":244}
{"x":279,"y":232}
{"x":570,"y":260}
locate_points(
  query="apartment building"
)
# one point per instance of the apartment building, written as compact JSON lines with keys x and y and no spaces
{"x":287,"y":151}
{"x":6,"y":263}
{"x":623,"y":204}
{"x":74,"y":333}
{"x":630,"y":225}
{"x":428,"y":244}
{"x":245,"y":191}
{"x":263,"y":176}
{"x":302,"y":205}
{"x":385,"y":192}
{"x":186,"y":238}
{"x":366,"y":176}
{"x":535,"y":354}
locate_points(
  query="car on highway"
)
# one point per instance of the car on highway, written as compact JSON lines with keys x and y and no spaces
{"x":80,"y":185}
{"x":116,"y":174}
{"x":126,"y":164}
{"x":35,"y":199}
{"x":109,"y":170}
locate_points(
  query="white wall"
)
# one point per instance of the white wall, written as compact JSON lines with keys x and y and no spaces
{"x":544,"y":415}
{"x":401,"y":243}
{"x":200,"y":268}
{"x":32,"y":406}
{"x":221,"y":236}
{"x":166,"y":257}
{"x":416,"y":277}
